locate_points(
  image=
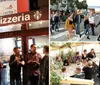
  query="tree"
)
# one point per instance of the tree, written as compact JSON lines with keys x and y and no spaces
{"x":77,"y":4}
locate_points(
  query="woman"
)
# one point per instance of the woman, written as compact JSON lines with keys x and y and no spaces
{"x":69,"y":25}
{"x":84,"y":55}
{"x":77,"y":58}
{"x":86,"y":27}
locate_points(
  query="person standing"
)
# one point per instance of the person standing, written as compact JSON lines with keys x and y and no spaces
{"x":33,"y":64}
{"x":44,"y":66}
{"x":56,"y":20}
{"x":52,"y":22}
{"x":86,"y":27}
{"x":92,"y":21}
{"x":78,"y":22}
{"x":15,"y":63}
{"x":69,"y":25}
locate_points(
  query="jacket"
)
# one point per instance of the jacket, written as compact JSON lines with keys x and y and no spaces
{"x":14,"y":66}
{"x":78,"y":18}
{"x":69,"y":24}
{"x":44,"y":66}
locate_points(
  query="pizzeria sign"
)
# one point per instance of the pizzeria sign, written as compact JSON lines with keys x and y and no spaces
{"x":30,"y":16}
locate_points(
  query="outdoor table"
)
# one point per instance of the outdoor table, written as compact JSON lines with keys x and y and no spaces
{"x":70,"y":69}
{"x":96,"y":61}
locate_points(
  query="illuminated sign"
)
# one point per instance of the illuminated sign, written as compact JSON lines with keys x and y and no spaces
{"x":30,"y":16}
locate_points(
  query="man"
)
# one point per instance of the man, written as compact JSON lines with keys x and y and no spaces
{"x":44,"y":66}
{"x":98,"y":39}
{"x":15,"y":64}
{"x":92,"y":22}
{"x":91,"y":54}
{"x":52,"y":16}
{"x":56,"y":20}
{"x":33,"y":62}
{"x":78,"y":22}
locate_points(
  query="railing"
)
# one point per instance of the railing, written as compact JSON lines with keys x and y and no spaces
{"x":77,"y":81}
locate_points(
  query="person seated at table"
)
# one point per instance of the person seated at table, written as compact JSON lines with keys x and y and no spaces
{"x":88,"y":70}
{"x":91,"y":54}
{"x":79,"y":74}
{"x":64,"y":73}
{"x":84,"y":55}
{"x":77,"y":58}
{"x":58,"y":62}
{"x":66,"y":62}
{"x":58,"y":59}
{"x":98,"y":70}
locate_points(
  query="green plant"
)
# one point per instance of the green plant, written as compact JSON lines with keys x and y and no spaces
{"x":63,"y":56}
{"x":69,"y":55}
{"x":54,"y":78}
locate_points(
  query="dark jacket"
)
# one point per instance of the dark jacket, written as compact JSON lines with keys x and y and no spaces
{"x":86,"y":22}
{"x":77,"y":19}
{"x":44,"y":66}
{"x":90,"y":55}
{"x":14,"y":66}
{"x":88,"y":72}
{"x":56,"y":19}
{"x":84,"y":57}
{"x":65,"y":62}
{"x":81,"y":76}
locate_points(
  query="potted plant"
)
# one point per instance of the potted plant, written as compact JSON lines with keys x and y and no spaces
{"x":54,"y":78}
{"x":69,"y":55}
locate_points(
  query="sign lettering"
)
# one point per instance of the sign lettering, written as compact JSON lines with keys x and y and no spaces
{"x":24,"y":17}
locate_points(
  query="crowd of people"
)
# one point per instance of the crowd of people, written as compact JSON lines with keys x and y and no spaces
{"x":54,"y":22}
{"x":73,"y":22}
{"x":85,"y":66}
{"x":37,"y":67}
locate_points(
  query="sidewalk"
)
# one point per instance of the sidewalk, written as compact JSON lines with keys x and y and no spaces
{"x":61,"y":35}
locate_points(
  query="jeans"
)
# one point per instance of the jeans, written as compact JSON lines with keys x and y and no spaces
{"x":78,"y":28}
{"x":50,"y":28}
{"x":86,"y":30}
{"x":34,"y":80}
{"x":15,"y":77}
{"x":92,"y":27}
{"x":3,"y":80}
{"x":56,"y":26}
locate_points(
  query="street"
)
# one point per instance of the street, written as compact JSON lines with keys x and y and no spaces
{"x":61,"y":35}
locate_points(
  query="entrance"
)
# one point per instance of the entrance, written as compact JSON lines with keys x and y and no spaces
{"x":22,"y":36}
{"x":7,"y":51}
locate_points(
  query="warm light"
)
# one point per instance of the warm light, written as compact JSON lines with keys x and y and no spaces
{"x":40,"y":22}
{"x":30,"y":24}
{"x":37,"y":15}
